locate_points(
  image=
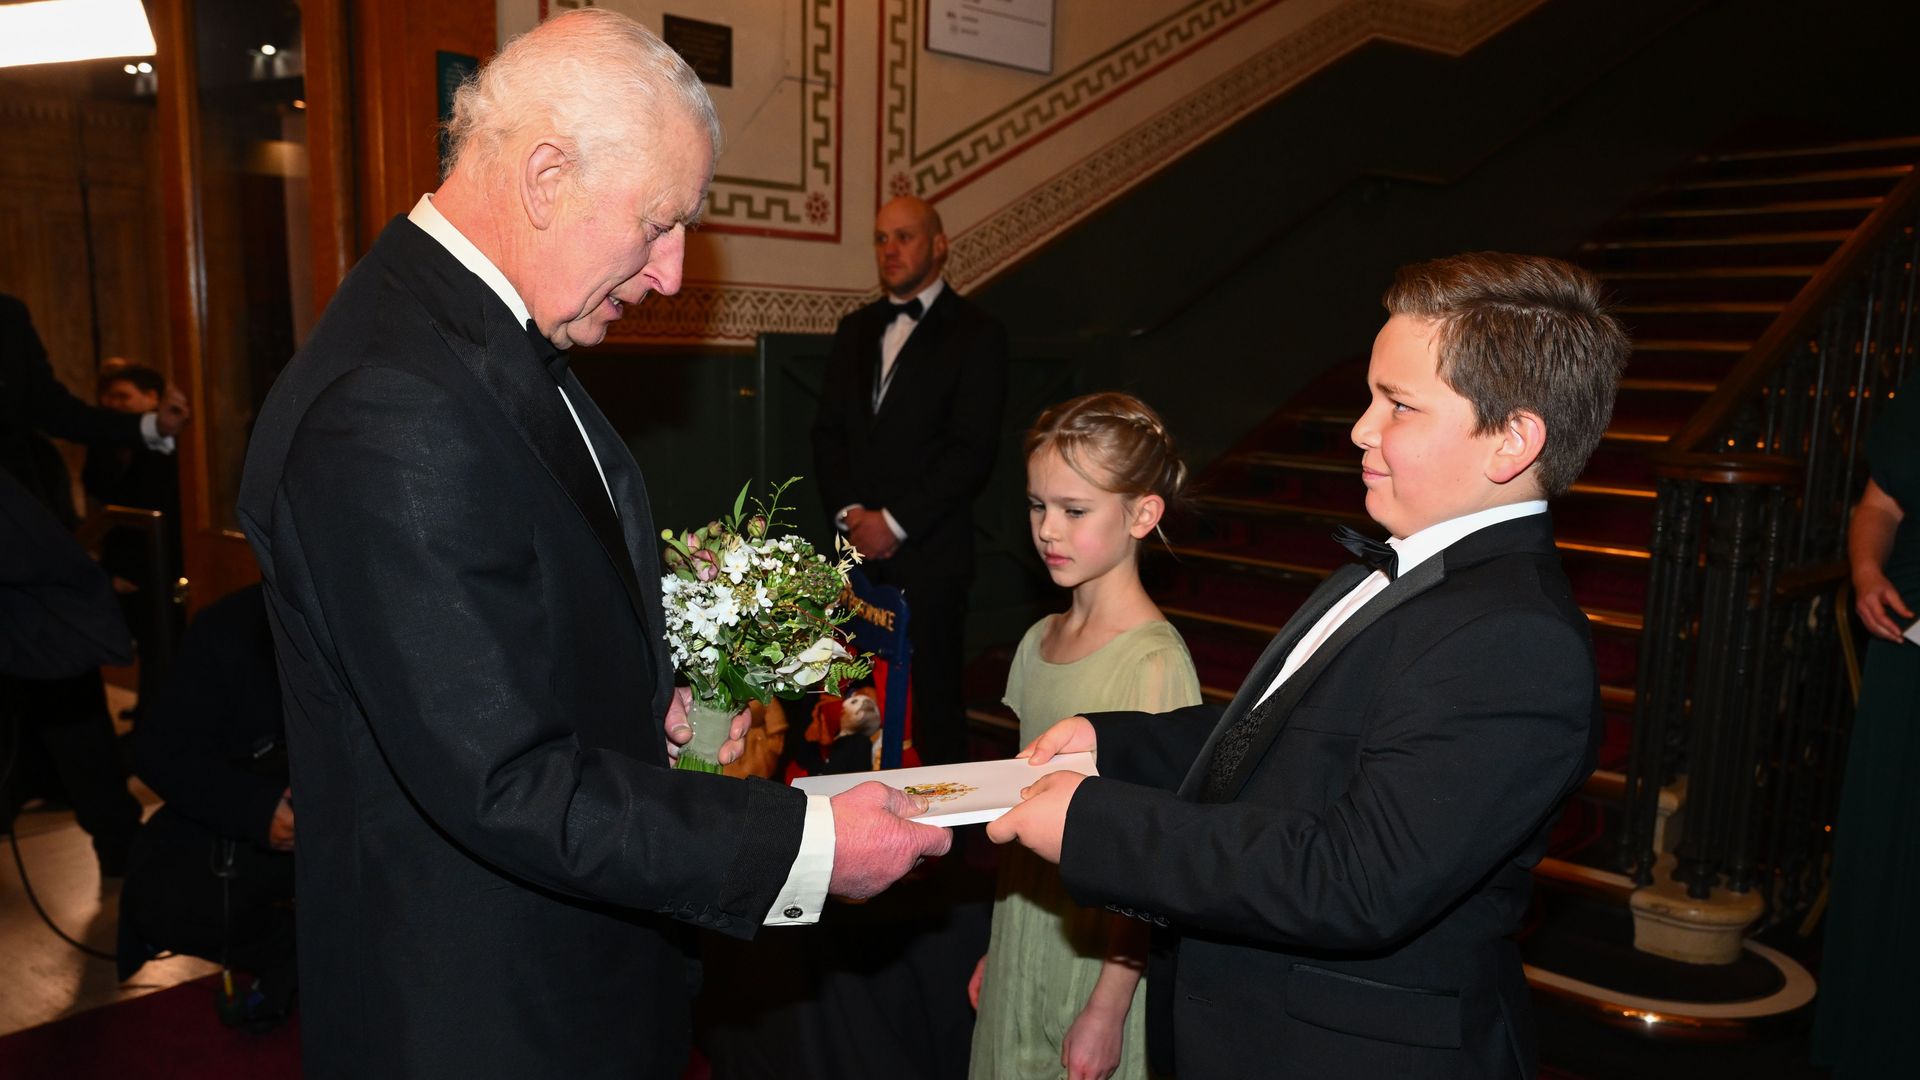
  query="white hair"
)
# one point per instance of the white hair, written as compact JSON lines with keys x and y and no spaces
{"x":595,"y":79}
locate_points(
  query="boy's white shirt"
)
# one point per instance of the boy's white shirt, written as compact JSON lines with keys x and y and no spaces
{"x":1409,"y":553}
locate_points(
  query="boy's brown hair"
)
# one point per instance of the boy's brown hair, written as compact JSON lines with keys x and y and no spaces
{"x":1522,"y":332}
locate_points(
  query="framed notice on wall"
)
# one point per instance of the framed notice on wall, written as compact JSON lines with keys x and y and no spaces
{"x":1017,"y":33}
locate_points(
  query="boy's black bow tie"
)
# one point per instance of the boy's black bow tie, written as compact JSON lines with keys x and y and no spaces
{"x":549,"y":354}
{"x":911,"y":309}
{"x":1368,"y":550}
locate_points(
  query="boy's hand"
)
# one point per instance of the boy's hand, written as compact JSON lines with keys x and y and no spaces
{"x":1069,"y":736}
{"x":973,"y":984}
{"x":1040,"y":821}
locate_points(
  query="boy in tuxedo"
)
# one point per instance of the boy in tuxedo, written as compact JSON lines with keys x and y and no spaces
{"x":1341,"y":854}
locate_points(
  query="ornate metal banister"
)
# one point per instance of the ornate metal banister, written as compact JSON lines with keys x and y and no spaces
{"x":1742,"y":685}
{"x":1705,"y":432}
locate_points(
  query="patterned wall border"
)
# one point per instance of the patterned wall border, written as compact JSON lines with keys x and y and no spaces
{"x":946,"y":166}
{"x":981,"y":250}
{"x":809,"y":209}
{"x":735,"y":314}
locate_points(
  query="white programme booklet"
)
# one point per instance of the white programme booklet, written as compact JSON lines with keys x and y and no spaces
{"x":964,"y":794}
{"x":1912,"y":632}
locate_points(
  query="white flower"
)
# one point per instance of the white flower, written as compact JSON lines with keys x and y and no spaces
{"x":811,"y":665}
{"x":735,"y":563}
{"x":761,"y":598}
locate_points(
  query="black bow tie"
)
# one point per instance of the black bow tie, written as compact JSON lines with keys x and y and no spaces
{"x":549,"y":354}
{"x":1369,"y":551}
{"x":911,"y":309}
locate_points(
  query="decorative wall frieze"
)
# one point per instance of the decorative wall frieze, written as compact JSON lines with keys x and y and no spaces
{"x":1037,"y":154}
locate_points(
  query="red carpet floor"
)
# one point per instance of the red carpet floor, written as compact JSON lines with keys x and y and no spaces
{"x":172,"y":1034}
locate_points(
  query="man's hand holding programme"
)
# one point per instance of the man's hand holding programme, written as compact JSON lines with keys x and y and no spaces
{"x":874,"y":842}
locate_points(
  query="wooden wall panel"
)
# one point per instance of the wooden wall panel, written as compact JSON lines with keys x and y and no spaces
{"x":55,"y":144}
{"x":396,"y":96}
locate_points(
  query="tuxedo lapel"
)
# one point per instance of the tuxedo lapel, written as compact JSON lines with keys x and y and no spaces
{"x":640,"y":539}
{"x":502,"y":359}
{"x":907,"y":366}
{"x":1337,"y":585}
{"x":1251,"y":735}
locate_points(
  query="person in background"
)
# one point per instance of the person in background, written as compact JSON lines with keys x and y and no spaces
{"x":1865,"y":1023}
{"x":1060,"y":989}
{"x":211,"y":872}
{"x":58,"y":624}
{"x":34,"y":404}
{"x":143,"y":479}
{"x":67,"y":743}
{"x":904,"y":439}
{"x":1342,"y":855}
{"x":501,"y":874}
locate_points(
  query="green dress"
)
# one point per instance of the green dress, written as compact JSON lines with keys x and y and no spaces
{"x":1046,"y":951}
{"x":1865,"y":1026}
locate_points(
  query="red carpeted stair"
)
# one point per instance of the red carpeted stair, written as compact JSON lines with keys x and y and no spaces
{"x":1698,"y":269}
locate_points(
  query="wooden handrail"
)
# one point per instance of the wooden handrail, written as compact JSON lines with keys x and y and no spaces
{"x":1802,"y":317}
{"x":1729,"y":468}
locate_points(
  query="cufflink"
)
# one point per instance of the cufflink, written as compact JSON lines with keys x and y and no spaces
{"x":793,"y":911}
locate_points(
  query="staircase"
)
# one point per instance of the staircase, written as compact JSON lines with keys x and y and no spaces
{"x":1699,"y":269}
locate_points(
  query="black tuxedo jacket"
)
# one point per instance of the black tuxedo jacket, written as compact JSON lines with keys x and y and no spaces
{"x":33,"y":401}
{"x":928,"y":451}
{"x":492,"y":853}
{"x":1342,"y":879}
{"x":58,"y":617}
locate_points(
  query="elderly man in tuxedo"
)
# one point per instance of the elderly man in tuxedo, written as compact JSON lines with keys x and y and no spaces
{"x":499,"y":871}
{"x":904,"y":439}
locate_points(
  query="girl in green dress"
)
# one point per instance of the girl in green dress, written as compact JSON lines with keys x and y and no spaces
{"x":1060,"y":990}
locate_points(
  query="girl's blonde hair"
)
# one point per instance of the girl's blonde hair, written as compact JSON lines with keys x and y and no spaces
{"x":1114,"y":441}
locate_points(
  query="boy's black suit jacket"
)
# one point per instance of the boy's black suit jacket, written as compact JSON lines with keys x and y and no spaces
{"x":494,"y":863}
{"x":929,"y":450}
{"x":1341,"y":893}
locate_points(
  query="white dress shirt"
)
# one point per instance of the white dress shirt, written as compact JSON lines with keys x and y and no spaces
{"x":150,"y":432}
{"x":805,"y":890}
{"x":892,"y":340}
{"x":894,"y":337}
{"x":1408,"y":553}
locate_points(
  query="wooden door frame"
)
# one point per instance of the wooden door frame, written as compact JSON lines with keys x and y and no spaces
{"x":217,"y":559}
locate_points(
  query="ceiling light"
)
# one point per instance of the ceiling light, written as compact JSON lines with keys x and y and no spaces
{"x":143,"y":68}
{"x":52,"y":31}
{"x":299,"y":104}
{"x":131,"y":70}
{"x":268,"y":50}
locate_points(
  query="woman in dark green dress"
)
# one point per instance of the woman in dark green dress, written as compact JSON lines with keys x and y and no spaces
{"x":1866,"y":1025}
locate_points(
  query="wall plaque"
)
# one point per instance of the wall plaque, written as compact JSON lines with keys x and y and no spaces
{"x":1017,"y":33}
{"x":706,"y":47}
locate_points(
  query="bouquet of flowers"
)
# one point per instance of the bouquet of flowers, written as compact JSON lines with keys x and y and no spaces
{"x":752,"y":617}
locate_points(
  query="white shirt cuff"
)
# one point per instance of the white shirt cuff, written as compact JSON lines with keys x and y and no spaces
{"x":840,"y":519}
{"x":805,"y":891}
{"x":150,"y":431}
{"x":899,"y":533}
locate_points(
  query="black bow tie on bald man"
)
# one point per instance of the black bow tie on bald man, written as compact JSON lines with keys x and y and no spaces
{"x":548,"y":353}
{"x":1369,"y":551}
{"x":911,"y":309}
